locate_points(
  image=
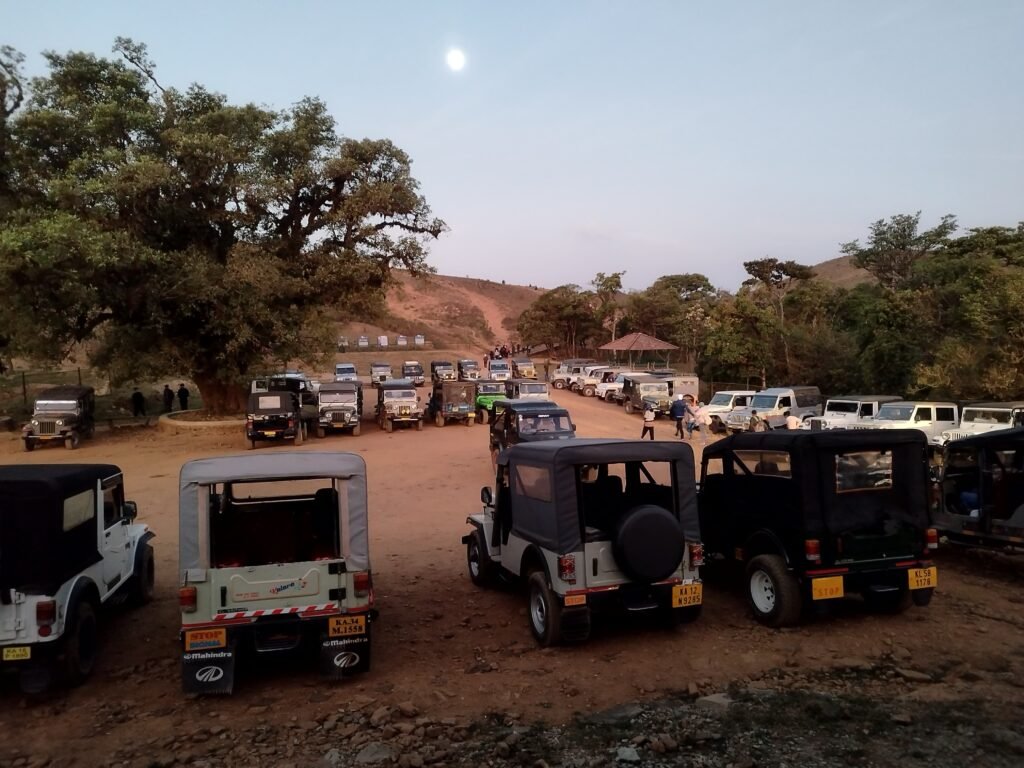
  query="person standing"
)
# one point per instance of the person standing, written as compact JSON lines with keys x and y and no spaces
{"x":704,"y":422}
{"x":183,"y":394}
{"x":756,"y":423}
{"x":648,"y":422}
{"x":678,"y":411}
{"x":792,"y":422}
{"x":138,"y":403}
{"x":168,"y":398}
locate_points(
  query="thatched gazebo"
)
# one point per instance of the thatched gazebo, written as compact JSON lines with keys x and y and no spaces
{"x":638,"y":342}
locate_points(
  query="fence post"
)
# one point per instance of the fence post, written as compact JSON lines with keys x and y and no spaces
{"x":24,"y":389}
{"x":79,"y":377}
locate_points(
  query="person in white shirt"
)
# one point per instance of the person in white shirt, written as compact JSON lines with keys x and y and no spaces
{"x":648,"y":422}
{"x":792,"y":422}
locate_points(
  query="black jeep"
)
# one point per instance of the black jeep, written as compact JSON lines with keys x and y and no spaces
{"x":453,"y":401}
{"x":819,"y":515}
{"x":273,"y":416}
{"x":64,"y":414}
{"x":527,"y":421}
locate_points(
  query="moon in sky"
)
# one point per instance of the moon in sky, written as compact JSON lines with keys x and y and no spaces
{"x":456,"y":59}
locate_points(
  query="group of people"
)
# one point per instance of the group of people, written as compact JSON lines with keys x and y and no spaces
{"x":689,"y":416}
{"x":506,"y":350}
{"x":139,"y":399}
{"x":758,"y":423}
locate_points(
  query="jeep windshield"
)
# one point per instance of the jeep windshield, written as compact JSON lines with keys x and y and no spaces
{"x":273,"y":522}
{"x":721,"y":398}
{"x":400,"y":394}
{"x":542,"y":423}
{"x":469,"y":365}
{"x":986,"y":416}
{"x":56,"y":406}
{"x":380,"y":368}
{"x":895,"y":413}
{"x":764,"y":402}
{"x":842,"y":406}
{"x":499,"y":365}
{"x":492,"y":389}
{"x":337,"y":398}
{"x":654,"y":389}
{"x":533,"y":389}
{"x":344,"y":370}
{"x":412,"y":370}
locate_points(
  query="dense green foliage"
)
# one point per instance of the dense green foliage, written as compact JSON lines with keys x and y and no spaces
{"x":943,"y":316}
{"x":176,"y":231}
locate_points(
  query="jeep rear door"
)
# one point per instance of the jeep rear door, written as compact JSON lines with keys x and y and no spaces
{"x":115,"y":544}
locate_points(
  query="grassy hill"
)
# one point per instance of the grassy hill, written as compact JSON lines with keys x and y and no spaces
{"x":841,"y":272}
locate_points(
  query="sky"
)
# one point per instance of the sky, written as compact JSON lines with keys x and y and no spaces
{"x":651,"y":137}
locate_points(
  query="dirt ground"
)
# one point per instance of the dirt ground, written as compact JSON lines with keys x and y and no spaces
{"x":458,"y":654}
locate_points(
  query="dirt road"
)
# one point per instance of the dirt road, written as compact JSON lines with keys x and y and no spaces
{"x":453,"y":651}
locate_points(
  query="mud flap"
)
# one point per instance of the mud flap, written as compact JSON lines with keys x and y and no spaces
{"x":342,"y":657}
{"x":209,"y":672}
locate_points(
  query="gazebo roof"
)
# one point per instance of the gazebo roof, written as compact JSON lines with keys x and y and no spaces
{"x":638,"y":342}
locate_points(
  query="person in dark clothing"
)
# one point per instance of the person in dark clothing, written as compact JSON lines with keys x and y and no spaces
{"x":168,"y":398}
{"x":138,"y":403}
{"x":678,"y":411}
{"x":183,"y":394}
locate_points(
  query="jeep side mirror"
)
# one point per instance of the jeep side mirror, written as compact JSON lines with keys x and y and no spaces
{"x":486,"y":497}
{"x":131,"y":510}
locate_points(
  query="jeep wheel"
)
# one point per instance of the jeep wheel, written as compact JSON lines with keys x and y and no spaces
{"x":558,"y":384}
{"x":482,"y":570}
{"x":921,"y":597}
{"x":545,"y":610}
{"x":144,"y":578}
{"x":773,"y":592}
{"x":389,"y":425}
{"x":80,"y":643}
{"x":470,"y":420}
{"x":321,"y":433}
{"x":609,"y":397}
{"x":438,"y":419}
{"x":72,"y":441}
{"x":628,"y":405}
{"x":589,"y":391}
{"x":30,"y":444}
{"x":356,"y":430}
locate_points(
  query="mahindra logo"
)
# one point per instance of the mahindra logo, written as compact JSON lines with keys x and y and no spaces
{"x":346,"y":659}
{"x":209,"y":674}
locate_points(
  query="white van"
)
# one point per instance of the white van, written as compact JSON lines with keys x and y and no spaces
{"x":771,"y":405}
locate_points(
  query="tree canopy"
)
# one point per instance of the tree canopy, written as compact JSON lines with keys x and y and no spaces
{"x":176,"y":231}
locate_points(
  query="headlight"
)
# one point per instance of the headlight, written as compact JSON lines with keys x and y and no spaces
{"x":35,"y":423}
{"x":60,"y":422}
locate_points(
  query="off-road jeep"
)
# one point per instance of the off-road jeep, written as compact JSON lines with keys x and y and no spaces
{"x":771,"y":406}
{"x":820,"y":515}
{"x":725,"y":402}
{"x":345,"y":372}
{"x":591,"y":525}
{"x":273,"y":556}
{"x":442,"y":370}
{"x":341,"y":407}
{"x":523,"y":368}
{"x":273,"y":416}
{"x":453,"y":401}
{"x":526,"y":389}
{"x":499,"y":370}
{"x":568,"y":370}
{"x":469,"y":370}
{"x":980,"y":489}
{"x":841,"y":412}
{"x":412,"y":370}
{"x":68,"y":544}
{"x":398,"y":403}
{"x":64,"y":414}
{"x":303,"y":391}
{"x":380,"y":373}
{"x":610,"y":387}
{"x":487,"y":392}
{"x":643,"y":390}
{"x":979,"y":418}
{"x":527,"y":421}
{"x":930,"y":418}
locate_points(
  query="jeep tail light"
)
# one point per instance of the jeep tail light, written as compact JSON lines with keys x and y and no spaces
{"x":812,"y":550}
{"x":361,"y":583}
{"x":932,"y":537}
{"x":46,"y":615}
{"x":187,"y":599}
{"x":567,"y":568}
{"x":696,"y":555}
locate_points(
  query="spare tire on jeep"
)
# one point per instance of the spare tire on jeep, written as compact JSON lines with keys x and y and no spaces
{"x":648,"y":544}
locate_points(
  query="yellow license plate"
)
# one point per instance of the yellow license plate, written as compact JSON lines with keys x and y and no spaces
{"x":571,"y":600}
{"x":197,"y":639}
{"x":827,"y":588}
{"x":684,"y":595}
{"x":269,"y":433}
{"x":340,"y":626}
{"x":18,"y":653}
{"x":923,"y":578}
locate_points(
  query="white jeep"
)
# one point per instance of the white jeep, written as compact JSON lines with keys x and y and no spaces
{"x":932,"y":418}
{"x":979,"y":418}
{"x":610,"y":389}
{"x":841,"y":412}
{"x":586,"y":381}
{"x":591,"y":525}
{"x":723,"y":403}
{"x":68,"y":545}
{"x":274,"y":556}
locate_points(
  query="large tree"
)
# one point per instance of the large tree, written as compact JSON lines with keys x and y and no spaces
{"x":772,"y":279}
{"x":565,"y":317}
{"x":896,"y":245}
{"x":176,"y":231}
